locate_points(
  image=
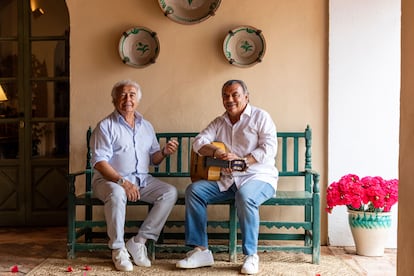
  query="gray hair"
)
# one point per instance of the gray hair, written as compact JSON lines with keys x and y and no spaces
{"x":240,"y":82}
{"x":121,"y":84}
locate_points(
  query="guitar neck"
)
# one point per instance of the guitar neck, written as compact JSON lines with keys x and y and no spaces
{"x":210,"y":161}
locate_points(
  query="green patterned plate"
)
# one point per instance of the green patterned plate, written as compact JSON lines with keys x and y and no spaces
{"x":244,"y":46}
{"x":189,"y":11}
{"x":139,"y":47}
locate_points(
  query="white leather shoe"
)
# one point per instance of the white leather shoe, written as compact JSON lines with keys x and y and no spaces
{"x":121,"y":260}
{"x":250,"y":265}
{"x":138,"y":252}
{"x":196,"y":258}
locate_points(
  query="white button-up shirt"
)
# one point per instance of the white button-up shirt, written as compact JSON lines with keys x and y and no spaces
{"x":255,"y":134}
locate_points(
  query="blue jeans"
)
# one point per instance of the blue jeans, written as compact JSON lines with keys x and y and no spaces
{"x":247,"y":200}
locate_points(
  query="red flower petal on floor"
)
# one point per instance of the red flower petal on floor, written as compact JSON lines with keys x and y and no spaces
{"x":87,"y":267}
{"x":69,"y":269}
{"x":14,"y":269}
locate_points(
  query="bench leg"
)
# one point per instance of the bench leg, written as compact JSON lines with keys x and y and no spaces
{"x":233,"y":234}
{"x":151,"y":250}
{"x":151,"y":243}
{"x":71,"y":240}
{"x":316,"y":234}
{"x":71,"y":235}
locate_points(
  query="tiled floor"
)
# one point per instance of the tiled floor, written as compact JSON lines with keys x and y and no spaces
{"x":32,"y":246}
{"x":372,"y":266}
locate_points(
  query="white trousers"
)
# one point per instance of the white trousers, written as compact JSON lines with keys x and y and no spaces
{"x":162,"y":195}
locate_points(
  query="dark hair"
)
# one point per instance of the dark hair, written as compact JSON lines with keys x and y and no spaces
{"x":231,"y":82}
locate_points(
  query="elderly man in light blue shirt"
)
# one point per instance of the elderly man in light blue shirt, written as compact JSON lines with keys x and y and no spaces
{"x":248,"y":133}
{"x":123,"y":146}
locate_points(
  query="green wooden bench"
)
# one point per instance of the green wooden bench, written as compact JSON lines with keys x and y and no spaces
{"x":301,"y":190}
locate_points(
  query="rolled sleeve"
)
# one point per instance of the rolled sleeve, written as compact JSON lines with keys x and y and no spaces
{"x":207,"y":135}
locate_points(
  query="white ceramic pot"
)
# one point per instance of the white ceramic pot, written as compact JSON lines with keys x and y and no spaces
{"x":370,"y":231}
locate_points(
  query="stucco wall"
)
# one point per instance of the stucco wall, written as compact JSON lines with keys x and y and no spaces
{"x":364,"y":94}
{"x":181,"y":91}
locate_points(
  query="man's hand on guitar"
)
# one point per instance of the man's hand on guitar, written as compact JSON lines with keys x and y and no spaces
{"x":212,"y":160}
{"x":220,"y":154}
{"x":236,"y":163}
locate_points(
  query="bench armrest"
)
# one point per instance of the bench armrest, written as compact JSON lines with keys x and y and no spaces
{"x":315,"y":176}
{"x":72,"y":177}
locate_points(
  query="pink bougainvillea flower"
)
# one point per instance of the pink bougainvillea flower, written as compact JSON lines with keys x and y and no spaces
{"x":14,"y":269}
{"x":69,"y":269}
{"x":369,"y":193}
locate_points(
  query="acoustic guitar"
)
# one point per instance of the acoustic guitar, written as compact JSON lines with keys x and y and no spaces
{"x":208,"y":168}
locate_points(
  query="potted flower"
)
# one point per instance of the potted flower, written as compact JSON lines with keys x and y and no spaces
{"x":369,"y":194}
{"x":369,"y":201}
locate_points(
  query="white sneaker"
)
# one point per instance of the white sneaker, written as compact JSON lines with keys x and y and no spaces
{"x":196,"y":258}
{"x":121,"y":260}
{"x":138,"y":252}
{"x":251,"y":265}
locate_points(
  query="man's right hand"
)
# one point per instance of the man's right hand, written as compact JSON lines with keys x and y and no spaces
{"x":132,"y":191}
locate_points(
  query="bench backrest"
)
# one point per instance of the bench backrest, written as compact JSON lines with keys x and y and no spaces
{"x":293,"y":157}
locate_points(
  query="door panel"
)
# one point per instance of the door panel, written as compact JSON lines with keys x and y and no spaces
{"x":11,"y":195}
{"x":34,"y":112}
{"x":49,"y":197}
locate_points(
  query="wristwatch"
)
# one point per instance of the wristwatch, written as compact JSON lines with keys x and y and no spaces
{"x":121,"y":181}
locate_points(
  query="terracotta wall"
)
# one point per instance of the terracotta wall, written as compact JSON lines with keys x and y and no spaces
{"x":181,"y":91}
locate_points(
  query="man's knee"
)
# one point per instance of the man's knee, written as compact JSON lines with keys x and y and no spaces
{"x":189,"y":190}
{"x":117,"y":196}
{"x":172,"y":193}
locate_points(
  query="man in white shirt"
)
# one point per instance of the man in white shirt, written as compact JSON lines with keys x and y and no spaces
{"x":123,"y":146}
{"x":248,"y":133}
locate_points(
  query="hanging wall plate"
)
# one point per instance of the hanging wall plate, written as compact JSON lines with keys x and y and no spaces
{"x":244,"y":46}
{"x":139,"y":47}
{"x":189,"y":11}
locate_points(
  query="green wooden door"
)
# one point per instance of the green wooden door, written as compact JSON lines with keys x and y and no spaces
{"x":34,"y":110}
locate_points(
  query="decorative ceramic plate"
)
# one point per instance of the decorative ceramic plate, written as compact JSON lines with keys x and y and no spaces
{"x":189,"y":11}
{"x":244,"y":46}
{"x":139,"y":47}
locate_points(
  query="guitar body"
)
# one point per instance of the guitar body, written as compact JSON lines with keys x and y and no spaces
{"x":199,"y":170}
{"x":208,"y":168}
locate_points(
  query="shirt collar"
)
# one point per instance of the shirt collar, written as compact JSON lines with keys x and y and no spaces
{"x":138,"y":117}
{"x":246,"y":112}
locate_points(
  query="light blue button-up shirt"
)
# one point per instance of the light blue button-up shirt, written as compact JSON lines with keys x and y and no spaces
{"x":128,"y":150}
{"x":255,"y":134}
